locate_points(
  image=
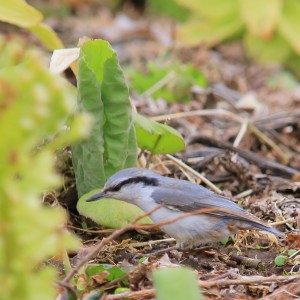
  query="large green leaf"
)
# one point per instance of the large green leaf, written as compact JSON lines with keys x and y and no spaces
{"x":274,"y":50}
{"x":261,"y":16}
{"x":102,"y":92}
{"x":19,"y":13}
{"x":176,"y":284}
{"x":289,"y":23}
{"x":156,"y":137}
{"x":109,"y":212}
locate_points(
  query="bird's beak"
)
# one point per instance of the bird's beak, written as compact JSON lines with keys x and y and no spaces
{"x":96,"y":197}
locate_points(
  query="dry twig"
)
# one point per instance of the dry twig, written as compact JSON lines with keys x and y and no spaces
{"x":147,"y":293}
{"x":131,"y":226}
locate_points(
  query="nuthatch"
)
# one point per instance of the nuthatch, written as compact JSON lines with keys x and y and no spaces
{"x":176,"y":197}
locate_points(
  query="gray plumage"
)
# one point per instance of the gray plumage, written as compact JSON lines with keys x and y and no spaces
{"x":148,"y":190}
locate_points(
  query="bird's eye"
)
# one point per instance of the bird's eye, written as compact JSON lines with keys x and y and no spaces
{"x":114,"y":188}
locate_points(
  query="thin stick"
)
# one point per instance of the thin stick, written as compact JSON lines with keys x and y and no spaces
{"x":150,"y":293}
{"x":198,"y":175}
{"x":201,"y":113}
{"x":192,"y":213}
{"x":262,"y":137}
{"x":94,"y":252}
{"x":241,"y":134}
{"x":226,"y":282}
{"x":150,"y":243}
{"x":143,"y":294}
{"x":243,"y":194}
{"x":104,"y":242}
{"x":279,"y":211}
{"x":282,"y":222}
{"x":169,"y":77}
{"x":131,"y":226}
{"x":90,"y":230}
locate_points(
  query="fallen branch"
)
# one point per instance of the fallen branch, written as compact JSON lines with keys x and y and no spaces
{"x":103,"y":243}
{"x":247,"y":261}
{"x":206,"y":284}
{"x":227,"y":282}
{"x":256,"y":159}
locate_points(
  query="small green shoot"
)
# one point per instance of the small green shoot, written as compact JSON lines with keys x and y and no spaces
{"x":227,"y":240}
{"x":121,"y":290}
{"x":144,"y":260}
{"x":280,"y":260}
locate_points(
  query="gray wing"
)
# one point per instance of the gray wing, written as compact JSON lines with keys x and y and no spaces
{"x":189,"y":201}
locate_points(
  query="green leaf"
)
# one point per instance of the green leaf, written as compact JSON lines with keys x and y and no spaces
{"x":19,"y":13}
{"x":114,"y":271}
{"x":292,"y":251}
{"x":283,"y":80}
{"x":261,"y":16}
{"x":156,"y":137}
{"x":210,"y":32}
{"x":47,"y":36}
{"x":109,"y":212}
{"x":213,"y":9}
{"x":225,"y":241}
{"x":289,"y":23}
{"x":169,"y":8}
{"x":121,"y":290}
{"x":280,"y":260}
{"x":102,"y":92}
{"x":274,"y":50}
{"x":176,"y":284}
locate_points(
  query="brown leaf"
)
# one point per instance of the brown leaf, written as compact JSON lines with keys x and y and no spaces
{"x":101,"y":278}
{"x":293,"y":241}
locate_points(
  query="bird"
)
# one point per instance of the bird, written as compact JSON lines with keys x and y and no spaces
{"x":171,"y":198}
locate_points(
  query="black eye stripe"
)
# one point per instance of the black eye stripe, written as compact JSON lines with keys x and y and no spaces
{"x":140,"y":179}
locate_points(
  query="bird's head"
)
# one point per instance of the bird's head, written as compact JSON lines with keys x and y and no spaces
{"x":129,"y":185}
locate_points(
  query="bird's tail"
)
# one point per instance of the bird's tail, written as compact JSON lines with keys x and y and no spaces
{"x":269,"y":229}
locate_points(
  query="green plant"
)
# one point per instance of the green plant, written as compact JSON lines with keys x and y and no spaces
{"x":176,"y":284}
{"x":112,"y":144}
{"x":19,"y":13}
{"x":290,"y":258}
{"x":103,"y":93}
{"x":169,"y":81}
{"x":269,"y":28}
{"x":280,"y":260}
{"x":35,"y":106}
